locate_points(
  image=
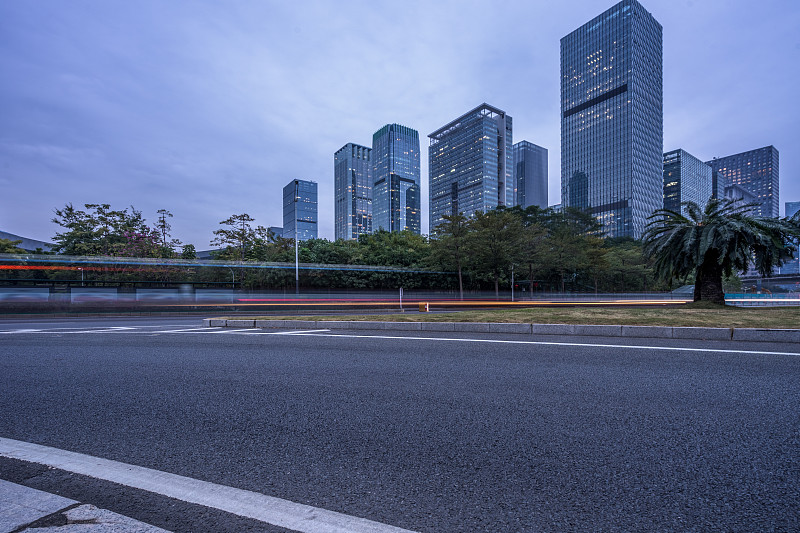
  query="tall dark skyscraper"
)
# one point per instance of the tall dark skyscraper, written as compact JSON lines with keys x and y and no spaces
{"x":530,"y":174}
{"x":396,"y":195}
{"x":300,"y":210}
{"x":755,"y":171}
{"x":612,"y":118}
{"x":470,"y":164}
{"x":352,"y":175}
{"x":686,"y":179}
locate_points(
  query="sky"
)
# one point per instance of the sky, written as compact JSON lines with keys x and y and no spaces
{"x":208,"y":109}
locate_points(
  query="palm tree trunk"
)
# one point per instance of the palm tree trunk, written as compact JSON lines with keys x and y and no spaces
{"x":708,"y":286}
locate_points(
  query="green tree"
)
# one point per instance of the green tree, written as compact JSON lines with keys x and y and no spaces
{"x":164,"y":228}
{"x":718,"y":240}
{"x":99,"y":230}
{"x":494,"y":243}
{"x":237,"y":235}
{"x":7,"y":246}
{"x":188,"y":252}
{"x":450,"y":247}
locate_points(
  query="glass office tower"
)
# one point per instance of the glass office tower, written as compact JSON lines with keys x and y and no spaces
{"x":300,"y":210}
{"x":612,"y":118}
{"x":530,"y":174}
{"x":757,"y":172}
{"x":395,"y":179}
{"x":471,"y":164}
{"x":793,"y":266}
{"x":352,"y":176}
{"x":686,"y":179}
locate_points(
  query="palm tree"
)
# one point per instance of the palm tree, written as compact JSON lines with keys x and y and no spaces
{"x":718,"y":240}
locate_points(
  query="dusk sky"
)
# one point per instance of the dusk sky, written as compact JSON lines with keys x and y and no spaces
{"x":208,"y":109}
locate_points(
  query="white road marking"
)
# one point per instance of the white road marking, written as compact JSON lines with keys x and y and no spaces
{"x":298,"y":332}
{"x":10,"y":332}
{"x":545,"y":343}
{"x":190,"y":330}
{"x":275,"y":511}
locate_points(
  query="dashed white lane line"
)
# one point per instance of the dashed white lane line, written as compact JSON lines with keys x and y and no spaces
{"x":546,"y":343}
{"x":275,"y":511}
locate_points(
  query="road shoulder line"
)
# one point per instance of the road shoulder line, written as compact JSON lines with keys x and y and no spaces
{"x":268,"y":509}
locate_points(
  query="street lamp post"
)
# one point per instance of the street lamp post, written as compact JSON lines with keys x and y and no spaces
{"x":81,"y":269}
{"x":296,"y":247}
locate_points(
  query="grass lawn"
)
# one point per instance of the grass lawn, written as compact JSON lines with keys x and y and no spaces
{"x":685,"y":315}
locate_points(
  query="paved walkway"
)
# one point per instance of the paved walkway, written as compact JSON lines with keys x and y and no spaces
{"x":23,"y":509}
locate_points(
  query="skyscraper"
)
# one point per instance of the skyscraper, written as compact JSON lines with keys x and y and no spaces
{"x":471,"y":164}
{"x":395,"y":179}
{"x":757,"y":172}
{"x":352,"y":171}
{"x":612,"y":118}
{"x":530,"y":174}
{"x":686,"y":179}
{"x":300,"y":210}
{"x":793,"y":266}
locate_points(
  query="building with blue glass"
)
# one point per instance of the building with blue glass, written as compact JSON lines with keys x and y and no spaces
{"x":300,"y":210}
{"x":471,"y":164}
{"x":530,"y":174}
{"x":757,"y":172}
{"x":352,"y":175}
{"x":396,"y":198}
{"x":612,"y":118}
{"x":793,"y":266}
{"x":686,"y":179}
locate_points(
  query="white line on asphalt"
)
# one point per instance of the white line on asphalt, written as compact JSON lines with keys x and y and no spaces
{"x":275,"y":511}
{"x":234,"y":331}
{"x":297,"y":332}
{"x":188,"y":330}
{"x":544,"y":343}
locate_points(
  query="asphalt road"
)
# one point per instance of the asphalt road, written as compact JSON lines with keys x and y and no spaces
{"x":421,"y":433}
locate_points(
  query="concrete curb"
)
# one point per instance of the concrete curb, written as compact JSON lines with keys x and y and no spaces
{"x":642,"y":332}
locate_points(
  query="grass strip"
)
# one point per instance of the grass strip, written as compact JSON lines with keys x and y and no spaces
{"x":699,"y":315}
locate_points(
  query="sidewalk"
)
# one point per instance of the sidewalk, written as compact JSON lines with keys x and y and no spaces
{"x":23,"y":509}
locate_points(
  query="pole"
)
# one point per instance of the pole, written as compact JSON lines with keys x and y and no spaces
{"x":401,"y":300}
{"x":512,"y":283}
{"x":296,"y":247}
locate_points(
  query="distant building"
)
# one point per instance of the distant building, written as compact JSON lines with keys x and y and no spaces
{"x":277,"y":231}
{"x":530,"y":174}
{"x":352,"y":174}
{"x":791,"y":208}
{"x":612,"y":118}
{"x":470,"y":164}
{"x":29,"y":245}
{"x":741,"y":196}
{"x":757,"y":172}
{"x":686,"y":179}
{"x":396,"y":198}
{"x":300,"y":210}
{"x":793,"y":266}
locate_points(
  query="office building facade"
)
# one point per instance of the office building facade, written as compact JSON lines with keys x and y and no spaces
{"x":470,"y":164}
{"x":793,"y":266}
{"x":352,"y":175}
{"x":396,"y":198}
{"x":530,"y":174}
{"x":300,"y":210}
{"x":612,"y":118}
{"x":686,"y":179}
{"x":757,"y":172}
